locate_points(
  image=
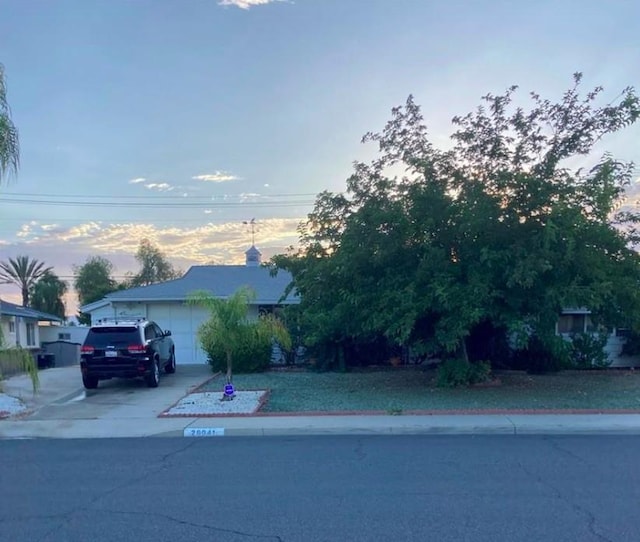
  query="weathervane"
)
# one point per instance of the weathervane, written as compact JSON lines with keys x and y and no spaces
{"x":251,"y":223}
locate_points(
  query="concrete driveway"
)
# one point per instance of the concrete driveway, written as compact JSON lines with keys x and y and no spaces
{"x":62,"y":396}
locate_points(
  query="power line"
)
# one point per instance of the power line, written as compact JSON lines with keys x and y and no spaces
{"x":173,"y":196}
{"x":203,"y":220}
{"x":154,"y":205}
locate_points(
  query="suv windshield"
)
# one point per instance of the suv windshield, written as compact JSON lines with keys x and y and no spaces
{"x":101,"y":337}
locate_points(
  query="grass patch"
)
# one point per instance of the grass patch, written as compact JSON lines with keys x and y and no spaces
{"x":405,"y":389}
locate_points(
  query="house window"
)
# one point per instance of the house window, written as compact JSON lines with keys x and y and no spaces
{"x":12,"y":326}
{"x":31,"y":334}
{"x":64,"y":336}
{"x":572,"y":323}
{"x":264,"y":310}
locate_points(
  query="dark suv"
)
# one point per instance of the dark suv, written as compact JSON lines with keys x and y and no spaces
{"x":126,"y":349}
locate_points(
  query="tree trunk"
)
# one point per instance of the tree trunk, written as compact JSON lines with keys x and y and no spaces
{"x":229,"y":366}
{"x":342,"y":362}
{"x":462,"y":350}
{"x":229,"y":377}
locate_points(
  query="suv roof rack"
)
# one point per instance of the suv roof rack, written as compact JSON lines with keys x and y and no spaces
{"x":120,"y":320}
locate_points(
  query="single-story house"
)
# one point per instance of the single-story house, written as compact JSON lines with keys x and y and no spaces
{"x":20,"y":325}
{"x":166,"y":303}
{"x":578,"y":320}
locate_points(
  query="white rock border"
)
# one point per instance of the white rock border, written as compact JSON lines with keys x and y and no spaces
{"x":210,"y":403}
{"x":10,"y":406}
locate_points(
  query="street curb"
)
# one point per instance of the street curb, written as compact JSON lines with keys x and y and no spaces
{"x":405,"y":413}
{"x":469,"y":425}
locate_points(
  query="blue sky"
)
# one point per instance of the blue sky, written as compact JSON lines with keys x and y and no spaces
{"x":241,"y":109}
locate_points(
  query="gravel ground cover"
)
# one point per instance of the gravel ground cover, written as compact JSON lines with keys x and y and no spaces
{"x":210,"y":404}
{"x":406,"y":389}
{"x":9,"y":406}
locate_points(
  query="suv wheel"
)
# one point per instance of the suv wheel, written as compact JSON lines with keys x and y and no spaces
{"x":153,"y":378}
{"x":170,"y":367}
{"x":90,"y":382}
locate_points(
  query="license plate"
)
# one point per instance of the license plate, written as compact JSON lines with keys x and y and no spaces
{"x":111,"y":353}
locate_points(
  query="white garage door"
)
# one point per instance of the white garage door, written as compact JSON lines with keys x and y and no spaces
{"x":183,"y":321}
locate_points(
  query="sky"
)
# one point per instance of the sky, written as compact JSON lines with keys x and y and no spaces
{"x":179,"y":120}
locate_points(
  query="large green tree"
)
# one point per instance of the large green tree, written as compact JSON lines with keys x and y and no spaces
{"x":154,"y":266}
{"x":47,"y":295}
{"x":9,"y":143}
{"x":24,"y":272}
{"x":497,"y":229}
{"x":92,"y":281}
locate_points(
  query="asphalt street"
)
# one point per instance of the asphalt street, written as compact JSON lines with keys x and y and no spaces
{"x":356,"y":488}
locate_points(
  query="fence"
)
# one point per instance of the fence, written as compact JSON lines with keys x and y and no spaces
{"x":15,"y":361}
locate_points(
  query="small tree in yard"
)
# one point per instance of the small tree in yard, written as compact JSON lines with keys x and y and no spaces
{"x":229,"y":331}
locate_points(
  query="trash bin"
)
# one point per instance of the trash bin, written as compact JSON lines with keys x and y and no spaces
{"x":46,"y":360}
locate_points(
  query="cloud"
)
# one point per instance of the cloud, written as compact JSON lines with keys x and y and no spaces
{"x":222,"y":243}
{"x":78,"y":233}
{"x":50,"y":227}
{"x":25,"y":231}
{"x":217,"y":177}
{"x":246,"y":4}
{"x":151,"y":185}
{"x":161,"y":187}
{"x":249,"y":196}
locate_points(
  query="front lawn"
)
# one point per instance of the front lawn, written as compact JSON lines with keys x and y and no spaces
{"x":401,"y":390}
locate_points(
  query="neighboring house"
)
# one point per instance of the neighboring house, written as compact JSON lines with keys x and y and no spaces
{"x":21,"y":325}
{"x":166,"y":302}
{"x":574,"y":321}
{"x":71,"y":334}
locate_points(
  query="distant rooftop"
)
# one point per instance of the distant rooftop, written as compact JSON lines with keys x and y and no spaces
{"x":11,"y":309}
{"x":219,"y":280}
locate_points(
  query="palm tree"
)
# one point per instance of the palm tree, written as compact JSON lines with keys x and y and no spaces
{"x":9,"y":144}
{"x":228,"y":328}
{"x":24,"y":273}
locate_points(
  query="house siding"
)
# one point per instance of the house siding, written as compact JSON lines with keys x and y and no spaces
{"x":615,"y":340}
{"x":8,"y":337}
{"x":72,"y":334}
{"x":21,"y":336}
{"x":182,"y":319}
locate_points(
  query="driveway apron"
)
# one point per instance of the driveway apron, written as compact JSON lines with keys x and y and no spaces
{"x":115,"y":398}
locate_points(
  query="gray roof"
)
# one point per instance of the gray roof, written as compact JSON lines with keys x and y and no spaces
{"x":219,"y":280}
{"x":11,"y":309}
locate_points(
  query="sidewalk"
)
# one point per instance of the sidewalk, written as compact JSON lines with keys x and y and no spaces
{"x":551,"y":424}
{"x":55,"y":384}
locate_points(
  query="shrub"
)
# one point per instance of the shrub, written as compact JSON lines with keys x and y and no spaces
{"x":252,"y":353}
{"x":230,"y":336}
{"x":540,"y":356}
{"x":631,"y":346}
{"x":453,"y":373}
{"x":587,"y":351}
